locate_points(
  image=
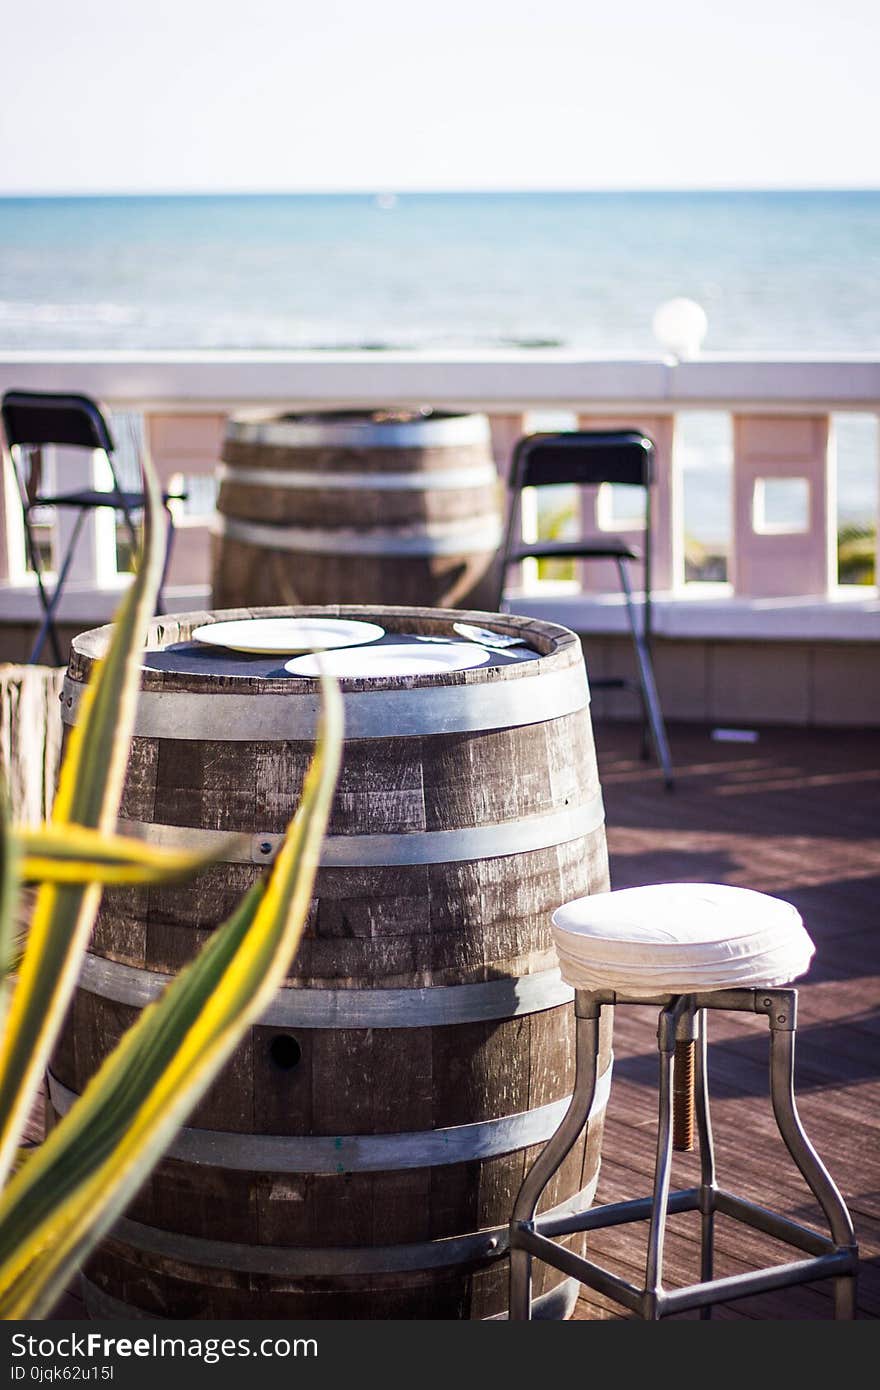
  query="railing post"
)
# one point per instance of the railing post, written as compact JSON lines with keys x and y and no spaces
{"x":9,"y":517}
{"x":505,"y":431}
{"x":877,"y":513}
{"x":785,"y":545}
{"x":667,"y":536}
{"x":187,"y":445}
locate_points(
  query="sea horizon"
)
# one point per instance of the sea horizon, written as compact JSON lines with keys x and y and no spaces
{"x":776,"y":270}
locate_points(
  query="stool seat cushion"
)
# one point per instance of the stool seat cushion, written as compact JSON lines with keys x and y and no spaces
{"x":680,"y":938}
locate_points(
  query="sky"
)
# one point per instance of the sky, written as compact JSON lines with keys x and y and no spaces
{"x":396,"y":95}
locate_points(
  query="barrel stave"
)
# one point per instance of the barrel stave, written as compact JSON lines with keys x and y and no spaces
{"x":425,"y":459}
{"x":399,"y":927}
{"x":174,"y":1289}
{"x":272,"y":576}
{"x":322,"y":507}
{"x":314,"y":1211}
{"x":430,"y":783}
{"x":455,"y":1074}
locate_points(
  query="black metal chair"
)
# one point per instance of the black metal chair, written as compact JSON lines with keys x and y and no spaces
{"x":584,"y":458}
{"x":31,"y":421}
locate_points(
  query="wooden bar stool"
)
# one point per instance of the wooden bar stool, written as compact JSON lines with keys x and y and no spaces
{"x":685,"y":948}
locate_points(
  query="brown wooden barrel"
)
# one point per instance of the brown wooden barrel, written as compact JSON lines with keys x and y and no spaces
{"x":360,"y":1155}
{"x":358,"y":507}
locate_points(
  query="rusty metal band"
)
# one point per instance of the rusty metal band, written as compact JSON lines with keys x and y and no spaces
{"x":421,"y":538}
{"x":493,"y":841}
{"x":363,"y":1153}
{"x":453,"y":431}
{"x":434,"y":480}
{"x":429,"y":1007}
{"x":288,"y":717}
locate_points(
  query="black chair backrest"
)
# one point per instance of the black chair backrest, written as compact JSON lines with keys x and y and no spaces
{"x":583,"y":456}
{"x":34,"y":418}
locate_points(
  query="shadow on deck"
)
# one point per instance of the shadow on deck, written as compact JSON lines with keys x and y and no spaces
{"x":796,"y":814}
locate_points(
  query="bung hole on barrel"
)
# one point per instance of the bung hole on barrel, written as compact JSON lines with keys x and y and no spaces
{"x":285,"y":1051}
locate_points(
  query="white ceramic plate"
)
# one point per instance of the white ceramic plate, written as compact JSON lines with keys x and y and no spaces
{"x":284,"y":636}
{"x":395,"y":659}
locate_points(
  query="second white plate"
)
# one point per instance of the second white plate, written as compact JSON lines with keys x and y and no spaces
{"x":395,"y":659}
{"x":284,"y":636}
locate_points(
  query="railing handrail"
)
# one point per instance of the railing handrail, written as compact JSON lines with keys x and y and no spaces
{"x":499,"y":380}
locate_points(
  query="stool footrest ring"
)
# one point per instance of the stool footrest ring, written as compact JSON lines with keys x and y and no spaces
{"x":615,"y":1214}
{"x":585,"y":1270}
{"x":772,"y":1223}
{"x":830,"y":1264}
{"x":733,"y":1286}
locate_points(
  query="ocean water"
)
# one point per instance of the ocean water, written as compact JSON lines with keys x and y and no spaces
{"x":774,"y":271}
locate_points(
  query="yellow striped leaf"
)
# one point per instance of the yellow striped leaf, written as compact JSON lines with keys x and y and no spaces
{"x":72,"y":1190}
{"x":53,"y":853}
{"x":89,"y":790}
{"x":9,"y":879}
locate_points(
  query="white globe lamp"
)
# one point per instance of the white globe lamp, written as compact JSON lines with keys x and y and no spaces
{"x":680,"y":325}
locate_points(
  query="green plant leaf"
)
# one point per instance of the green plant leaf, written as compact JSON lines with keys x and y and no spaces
{"x":9,"y":883}
{"x":54,"y":853}
{"x":89,"y":791}
{"x":72,"y":1190}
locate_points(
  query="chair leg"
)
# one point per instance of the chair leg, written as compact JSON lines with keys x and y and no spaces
{"x":169,"y":542}
{"x":47,"y":626}
{"x":553,"y":1155}
{"x":131,"y":529}
{"x":810,"y":1165}
{"x":647,"y":683}
{"x":707,"y":1162}
{"x":48,"y":623}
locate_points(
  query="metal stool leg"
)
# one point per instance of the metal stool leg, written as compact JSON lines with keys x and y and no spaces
{"x":783,"y":1026}
{"x":845,"y":1298}
{"x":707,"y":1161}
{"x":554,"y":1154}
{"x":647,"y":684}
{"x":666,"y":1031}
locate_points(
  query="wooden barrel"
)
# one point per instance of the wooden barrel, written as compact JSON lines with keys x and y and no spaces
{"x":360,"y":1155}
{"x":355,"y":507}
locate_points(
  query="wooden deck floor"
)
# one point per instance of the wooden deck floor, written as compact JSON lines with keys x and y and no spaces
{"x":796,"y":814}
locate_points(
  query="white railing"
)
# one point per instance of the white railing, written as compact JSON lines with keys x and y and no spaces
{"x":781,"y":574}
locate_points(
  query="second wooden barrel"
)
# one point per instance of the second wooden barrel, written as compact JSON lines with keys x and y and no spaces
{"x":358,"y":507}
{"x":360,"y":1155}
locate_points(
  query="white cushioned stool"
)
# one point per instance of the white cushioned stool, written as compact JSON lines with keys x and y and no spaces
{"x":685,"y":948}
